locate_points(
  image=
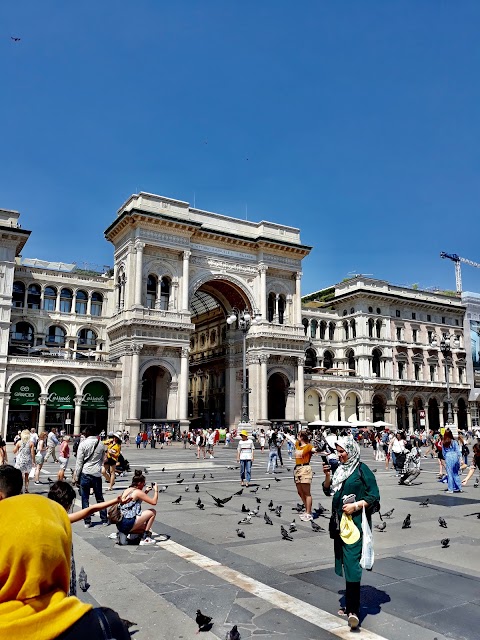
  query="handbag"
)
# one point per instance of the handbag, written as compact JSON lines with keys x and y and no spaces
{"x":38,"y":458}
{"x":368,"y":554}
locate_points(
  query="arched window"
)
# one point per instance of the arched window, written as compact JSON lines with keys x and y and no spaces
{"x":121,"y":280}
{"x":313,"y":328}
{"x":345,"y":312}
{"x":66,"y":297}
{"x":81,"y":303}
{"x":281,"y":309}
{"x":33,"y":296}
{"x":271,"y":306}
{"x":345,"y":328}
{"x":86,"y":339}
{"x":378,"y":326}
{"x":370,"y":309}
{"x":305,"y":325}
{"x":165,"y":288}
{"x":49,"y":298}
{"x":331,"y":331}
{"x":353,"y":327}
{"x":352,"y":310}
{"x":55,"y":336}
{"x":323,"y":329}
{"x":351,"y":362}
{"x":18,"y":294}
{"x":151,"y":292}
{"x":376,"y":362}
{"x":371,"y":324}
{"x":213,"y":336}
{"x":96,"y":304}
{"x":310,"y":359}
{"x":328,"y":360}
{"x":22,"y":332}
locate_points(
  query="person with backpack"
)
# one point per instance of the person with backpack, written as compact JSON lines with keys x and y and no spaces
{"x":200,"y":444}
{"x":354,"y":488}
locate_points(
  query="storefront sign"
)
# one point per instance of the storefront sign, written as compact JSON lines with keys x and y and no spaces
{"x":95,"y":396}
{"x":24,"y":392}
{"x":60,"y":395}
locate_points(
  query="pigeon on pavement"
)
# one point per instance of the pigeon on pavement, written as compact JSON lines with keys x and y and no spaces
{"x":292,"y":528}
{"x":388,"y":514}
{"x":201,"y":506}
{"x":180,"y":481}
{"x":445,"y":543}
{"x":163,"y":489}
{"x":259,"y":500}
{"x":277,"y":479}
{"x":407,"y":523}
{"x":425,"y":503}
{"x":267,"y":519}
{"x":442,"y":522}
{"x":197,"y":488}
{"x":178,"y":500}
{"x":240,"y":533}
{"x":381,"y":527}
{"x":204,"y":622}
{"x":316,"y":527}
{"x":267,"y":488}
{"x":246,"y":520}
{"x":233,"y":634}
{"x":254,"y":490}
{"x":83,"y":580}
{"x":285,"y":534}
{"x":244,"y":509}
{"x":238,"y":493}
{"x":270,"y":504}
{"x":220,"y":502}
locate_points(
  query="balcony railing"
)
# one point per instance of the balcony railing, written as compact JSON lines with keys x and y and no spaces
{"x":87,"y":363}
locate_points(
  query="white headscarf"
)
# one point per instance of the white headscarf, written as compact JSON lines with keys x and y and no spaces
{"x":345,"y":470}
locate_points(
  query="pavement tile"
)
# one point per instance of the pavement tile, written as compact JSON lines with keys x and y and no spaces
{"x":460,"y":623}
{"x":276,"y":620}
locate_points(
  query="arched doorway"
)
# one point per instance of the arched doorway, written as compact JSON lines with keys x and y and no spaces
{"x":60,"y":405}
{"x":376,"y":355}
{"x":277,"y":396}
{"x":402,"y":413}
{"x":155,"y":393}
{"x":332,"y":407}
{"x":313,"y":409}
{"x":378,"y":407}
{"x":352,"y":407}
{"x":95,"y":405}
{"x":433,"y":415}
{"x":24,"y":405}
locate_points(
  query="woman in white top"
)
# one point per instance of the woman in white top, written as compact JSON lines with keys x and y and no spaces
{"x":40,"y":455}
{"x":399,"y":451}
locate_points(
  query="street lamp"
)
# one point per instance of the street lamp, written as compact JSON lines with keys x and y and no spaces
{"x":446,"y":343}
{"x":244,"y":321}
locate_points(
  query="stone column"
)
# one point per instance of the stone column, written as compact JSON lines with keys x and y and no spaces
{"x":42,"y":297}
{"x":263,"y":291}
{"x":139,"y":247}
{"x":89,"y":304}
{"x":183,"y":384}
{"x":111,"y":414}
{"x":263,"y":387}
{"x":410,"y":418}
{"x":342,"y":411}
{"x":298,"y":298}
{"x":42,"y":412}
{"x":134,"y":381}
{"x":300,"y":390}
{"x":185,"y":272}
{"x":77,"y":415}
{"x":275,"y":308}
{"x":57,"y":302}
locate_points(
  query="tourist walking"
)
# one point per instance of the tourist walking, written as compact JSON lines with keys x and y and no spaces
{"x":398,"y":452}
{"x":475,"y":464}
{"x":138,"y":440}
{"x":40,"y":455}
{"x":354,"y":487}
{"x":52,"y":442}
{"x":303,"y":473}
{"x":245,"y":456}
{"x":452,"y":456}
{"x":200,"y":444}
{"x":88,"y":472}
{"x":210,"y":442}
{"x":64,"y":456}
{"x":25,"y":456}
{"x":114,"y":447}
{"x":262,"y":440}
{"x":272,"y":452}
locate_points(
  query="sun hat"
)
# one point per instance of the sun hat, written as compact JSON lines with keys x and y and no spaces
{"x":349,"y":532}
{"x":244,"y":433}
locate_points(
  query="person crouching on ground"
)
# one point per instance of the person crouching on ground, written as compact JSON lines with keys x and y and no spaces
{"x":411,"y":468}
{"x":135,"y":520}
{"x":354,"y":486}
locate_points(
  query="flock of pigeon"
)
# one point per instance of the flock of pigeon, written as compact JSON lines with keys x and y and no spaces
{"x":407,"y":523}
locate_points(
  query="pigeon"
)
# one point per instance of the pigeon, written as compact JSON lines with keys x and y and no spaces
{"x":164,"y":488}
{"x":127,"y":623}
{"x":246,"y":520}
{"x":199,"y":501}
{"x":267,"y":488}
{"x":278,"y":511}
{"x":381,"y":527}
{"x":244,"y":509}
{"x":201,"y":506}
{"x":254,"y":512}
{"x":163,"y":468}
{"x":197,"y":488}
{"x":145,"y":471}
{"x":204,"y":622}
{"x":288,"y":468}
{"x":267,"y":519}
{"x":254,"y":490}
{"x":388,"y":514}
{"x":270,"y":504}
{"x":233,"y":634}
{"x":15,"y":39}
{"x":277,"y":479}
{"x":407,"y":523}
{"x":240,"y":533}
{"x":193,"y":476}
{"x":238,"y":493}
{"x":285,"y":534}
{"x":180,"y":481}
{"x":321,"y":509}
{"x":425,"y":503}
{"x":259,"y":500}
{"x":374,"y":470}
{"x":475,"y":484}
{"x":49,"y":480}
{"x":204,"y":476}
{"x":211,"y":476}
{"x":445,"y":543}
{"x":83,"y":580}
{"x":179,"y":475}
{"x":442,"y":522}
{"x":316,"y":527}
{"x":292,"y":528}
{"x":178,"y":500}
{"x":220,"y":502}
{"x":187,"y":489}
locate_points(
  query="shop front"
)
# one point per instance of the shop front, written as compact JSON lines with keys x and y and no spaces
{"x":24,"y":406}
{"x":95,"y":405}
{"x":60,"y":406}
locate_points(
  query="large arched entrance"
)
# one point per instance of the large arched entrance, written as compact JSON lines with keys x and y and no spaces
{"x":155,"y":393}
{"x":277,"y":396}
{"x":433,"y":415}
{"x":378,"y":407}
{"x":402,"y":413}
{"x":332,"y":407}
{"x":312,"y":406}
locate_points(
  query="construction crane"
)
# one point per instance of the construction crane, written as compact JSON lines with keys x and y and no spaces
{"x":457,"y":260}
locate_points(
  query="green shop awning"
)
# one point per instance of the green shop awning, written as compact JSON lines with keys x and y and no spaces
{"x":60,"y":395}
{"x":25,"y":393}
{"x":95,"y":396}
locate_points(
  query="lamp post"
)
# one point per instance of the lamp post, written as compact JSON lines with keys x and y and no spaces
{"x":446,"y":344}
{"x":244,"y":321}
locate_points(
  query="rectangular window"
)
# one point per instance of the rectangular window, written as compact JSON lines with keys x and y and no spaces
{"x":81,"y":307}
{"x":443,"y":319}
{"x":414,"y":315}
{"x":414,"y":335}
{"x":430,"y":336}
{"x":49,"y":304}
{"x":397,"y":313}
{"x":65,"y":306}
{"x":401,"y":370}
{"x":96,"y":309}
{"x":460,"y":375}
{"x":399,"y":333}
{"x":432,"y":373}
{"x":429,"y":317}
{"x":456,"y":322}
{"x":417,"y":372}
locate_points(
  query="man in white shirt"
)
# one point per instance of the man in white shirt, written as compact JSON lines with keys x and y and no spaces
{"x":34,"y":438}
{"x":245,"y":455}
{"x":210,"y":442}
{"x":52,"y":442}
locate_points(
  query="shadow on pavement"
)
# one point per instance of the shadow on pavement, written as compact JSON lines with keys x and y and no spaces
{"x":371,"y":600}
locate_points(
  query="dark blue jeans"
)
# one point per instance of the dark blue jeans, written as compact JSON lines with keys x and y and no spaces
{"x":88,"y":482}
{"x":245,"y":470}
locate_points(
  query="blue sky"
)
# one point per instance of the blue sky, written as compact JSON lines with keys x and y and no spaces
{"x":355,"y":121}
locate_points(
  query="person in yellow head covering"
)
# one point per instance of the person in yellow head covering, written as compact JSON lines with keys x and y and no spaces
{"x":34,"y":578}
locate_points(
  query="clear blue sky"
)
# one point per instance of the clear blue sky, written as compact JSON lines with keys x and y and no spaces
{"x":356,"y":121}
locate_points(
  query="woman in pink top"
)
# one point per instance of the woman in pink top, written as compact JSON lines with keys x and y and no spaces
{"x":63,"y":456}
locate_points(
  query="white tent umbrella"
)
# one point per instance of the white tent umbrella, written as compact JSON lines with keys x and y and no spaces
{"x":362,"y":423}
{"x":317,"y":423}
{"x":382,"y":423}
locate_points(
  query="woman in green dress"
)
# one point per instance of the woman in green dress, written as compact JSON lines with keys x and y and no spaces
{"x":352,"y":480}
